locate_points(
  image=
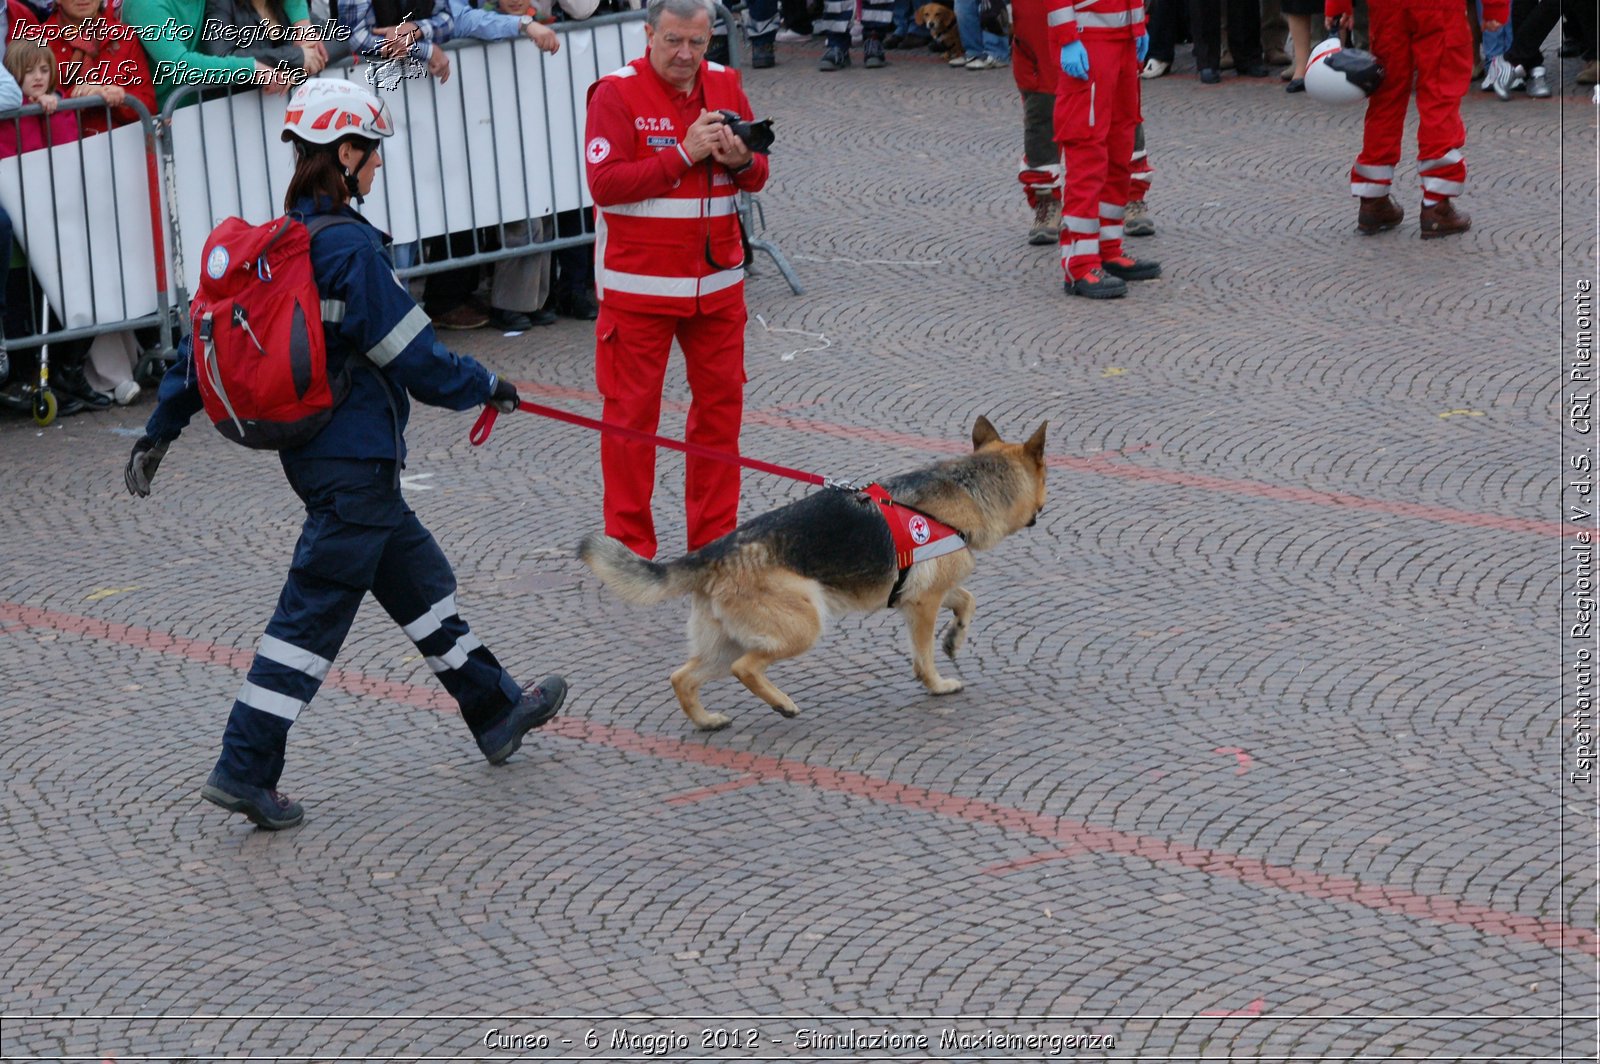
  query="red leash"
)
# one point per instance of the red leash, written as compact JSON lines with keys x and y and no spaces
{"x":485,"y":423}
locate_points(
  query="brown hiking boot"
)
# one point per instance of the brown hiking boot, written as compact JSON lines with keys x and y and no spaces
{"x":1442,"y":219}
{"x":1377,"y":214}
{"x":1046,"y":222}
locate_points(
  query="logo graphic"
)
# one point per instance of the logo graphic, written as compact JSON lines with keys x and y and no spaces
{"x":217,"y":262}
{"x":598,"y":149}
{"x":919,"y":529}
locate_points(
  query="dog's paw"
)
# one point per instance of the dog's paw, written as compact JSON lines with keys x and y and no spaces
{"x":713,"y":722}
{"x":945,"y":686}
{"x":954,"y":636}
{"x":788,"y":709}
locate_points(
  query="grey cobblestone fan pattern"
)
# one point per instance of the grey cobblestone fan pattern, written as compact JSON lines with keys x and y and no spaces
{"x":1292,"y":605}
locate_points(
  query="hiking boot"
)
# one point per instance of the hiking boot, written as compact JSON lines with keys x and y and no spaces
{"x":872,"y":54}
{"x":834,"y":59}
{"x":1096,"y":285}
{"x":1538,"y":84}
{"x":1442,"y":219}
{"x":1131,"y":269}
{"x":464,"y":316}
{"x":1590,"y":74}
{"x":1138,"y":221}
{"x":538,"y":704}
{"x":1046,"y":222}
{"x":266,"y":808}
{"x":1378,"y":213}
{"x":762,"y":55}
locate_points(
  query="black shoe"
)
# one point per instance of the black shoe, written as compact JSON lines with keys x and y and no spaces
{"x":543,"y":316}
{"x":1131,"y":269}
{"x":762,"y":55}
{"x":834,"y":59}
{"x":872,"y":56}
{"x":1208,"y":76}
{"x":718,"y":52}
{"x":1257,"y":69}
{"x":509,"y":320}
{"x":1096,"y":285}
{"x":267,"y":808}
{"x":1295,"y":85}
{"x":893,"y":41}
{"x":539,"y":703}
{"x":575,"y":305}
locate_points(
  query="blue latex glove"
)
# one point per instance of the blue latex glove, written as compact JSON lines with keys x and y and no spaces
{"x":1075,"y":60}
{"x":1141,"y":46}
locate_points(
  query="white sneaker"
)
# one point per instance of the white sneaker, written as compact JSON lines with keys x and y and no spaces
{"x":1503,"y":77}
{"x":1154,"y":68}
{"x":985,"y":62}
{"x":125,"y":393}
{"x":959,"y":61}
{"x":1538,"y":86}
{"x":788,"y":36}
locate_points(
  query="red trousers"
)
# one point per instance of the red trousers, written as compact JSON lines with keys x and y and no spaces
{"x":630,"y":365}
{"x":1094,"y":121}
{"x":1434,"y":42}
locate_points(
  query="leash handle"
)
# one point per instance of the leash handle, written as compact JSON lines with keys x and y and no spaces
{"x":485,"y":424}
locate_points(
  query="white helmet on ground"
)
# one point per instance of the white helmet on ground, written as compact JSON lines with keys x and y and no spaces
{"x":1335,"y":74}
{"x":326,"y":110}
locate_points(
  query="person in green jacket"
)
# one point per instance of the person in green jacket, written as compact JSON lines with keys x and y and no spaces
{"x":170,"y":30}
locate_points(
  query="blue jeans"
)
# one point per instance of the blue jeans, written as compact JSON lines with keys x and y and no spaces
{"x":974,"y":38}
{"x":1495,"y":42}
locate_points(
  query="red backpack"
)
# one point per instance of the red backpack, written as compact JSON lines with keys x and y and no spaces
{"x":257,"y":327}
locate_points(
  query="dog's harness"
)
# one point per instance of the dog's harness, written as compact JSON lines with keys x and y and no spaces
{"x":917,"y":537}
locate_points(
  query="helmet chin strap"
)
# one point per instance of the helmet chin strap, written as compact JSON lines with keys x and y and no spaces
{"x":352,"y":178}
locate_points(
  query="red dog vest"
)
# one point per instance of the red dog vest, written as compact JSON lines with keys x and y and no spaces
{"x":917,"y":537}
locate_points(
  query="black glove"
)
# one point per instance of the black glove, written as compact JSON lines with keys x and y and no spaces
{"x":504,"y":397}
{"x":142,"y":465}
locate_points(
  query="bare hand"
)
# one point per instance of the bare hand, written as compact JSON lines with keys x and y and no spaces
{"x":397,"y":40}
{"x":113,"y":95}
{"x":439,"y":64}
{"x":1342,"y":22}
{"x":544,"y":38}
{"x":49,"y":101}
{"x":273,"y":81}
{"x":1490,"y":25}
{"x":729,"y":150}
{"x":311,"y":60}
{"x":701,"y":139}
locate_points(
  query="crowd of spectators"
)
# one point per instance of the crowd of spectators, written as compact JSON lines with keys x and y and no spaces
{"x":121,"y":51}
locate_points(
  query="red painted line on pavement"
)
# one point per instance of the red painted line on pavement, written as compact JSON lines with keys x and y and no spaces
{"x":1113,"y":464}
{"x":1243,"y":758}
{"x":1069,"y":834}
{"x":713,"y":790}
{"x":1033,"y":859}
{"x":1251,"y":1010}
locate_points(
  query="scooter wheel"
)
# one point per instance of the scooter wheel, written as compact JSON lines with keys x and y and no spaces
{"x":44,"y":407}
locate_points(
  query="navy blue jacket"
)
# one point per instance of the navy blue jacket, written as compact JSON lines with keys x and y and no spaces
{"x":367,"y":314}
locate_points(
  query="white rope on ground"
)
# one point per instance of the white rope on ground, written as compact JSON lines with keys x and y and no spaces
{"x":873,"y":262}
{"x":789,"y":357}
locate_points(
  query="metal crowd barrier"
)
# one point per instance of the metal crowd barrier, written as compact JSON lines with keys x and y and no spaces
{"x":474,"y":238}
{"x":97,"y":284}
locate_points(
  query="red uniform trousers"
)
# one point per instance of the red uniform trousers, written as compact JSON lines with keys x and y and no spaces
{"x":1035,"y":67}
{"x":1432,"y":39}
{"x":630,"y":365}
{"x":1095,"y":120}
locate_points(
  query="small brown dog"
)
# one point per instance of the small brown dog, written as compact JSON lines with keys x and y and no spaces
{"x":940,"y":22}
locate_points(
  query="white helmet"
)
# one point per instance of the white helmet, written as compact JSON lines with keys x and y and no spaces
{"x":1335,"y":74}
{"x":325,"y":110}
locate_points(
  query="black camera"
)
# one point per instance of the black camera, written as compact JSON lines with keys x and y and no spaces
{"x":757,"y":136}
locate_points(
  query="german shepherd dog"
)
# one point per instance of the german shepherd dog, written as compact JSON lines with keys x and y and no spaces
{"x":766,"y":590}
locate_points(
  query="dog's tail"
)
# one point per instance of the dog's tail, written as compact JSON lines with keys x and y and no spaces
{"x":636,"y":580}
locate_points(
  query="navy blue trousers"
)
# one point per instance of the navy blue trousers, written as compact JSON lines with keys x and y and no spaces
{"x":359,"y":536}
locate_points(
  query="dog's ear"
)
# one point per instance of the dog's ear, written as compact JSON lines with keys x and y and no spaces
{"x":1034,"y":448}
{"x":983,"y":432}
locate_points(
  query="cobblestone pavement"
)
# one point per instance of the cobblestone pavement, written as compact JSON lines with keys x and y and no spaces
{"x":1261,"y":754}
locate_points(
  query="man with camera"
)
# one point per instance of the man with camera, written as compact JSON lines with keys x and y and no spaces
{"x":668,"y":149}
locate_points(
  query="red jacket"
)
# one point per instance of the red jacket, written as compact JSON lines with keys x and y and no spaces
{"x":37,"y":131}
{"x":1493,"y":10}
{"x":662,"y":220}
{"x":1110,"y":19}
{"x":105,"y":51}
